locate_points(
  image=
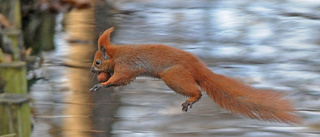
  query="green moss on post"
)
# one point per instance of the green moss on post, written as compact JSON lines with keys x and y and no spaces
{"x":14,"y":106}
{"x":15,"y":115}
{"x":15,"y":76}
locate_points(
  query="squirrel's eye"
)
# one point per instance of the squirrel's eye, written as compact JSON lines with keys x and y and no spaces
{"x":98,"y":62}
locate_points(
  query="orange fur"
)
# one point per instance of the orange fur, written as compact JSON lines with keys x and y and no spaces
{"x":183,"y":73}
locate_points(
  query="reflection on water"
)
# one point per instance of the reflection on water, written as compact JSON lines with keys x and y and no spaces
{"x":79,"y":26}
{"x":267,"y":44}
{"x":63,"y":105}
{"x":259,"y":42}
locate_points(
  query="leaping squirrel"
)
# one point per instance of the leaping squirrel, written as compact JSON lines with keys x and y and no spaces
{"x":184,"y":73}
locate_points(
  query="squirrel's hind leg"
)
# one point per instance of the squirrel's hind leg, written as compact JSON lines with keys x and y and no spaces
{"x":181,"y":81}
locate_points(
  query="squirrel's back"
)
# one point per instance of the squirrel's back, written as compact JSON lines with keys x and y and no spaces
{"x":155,"y":57}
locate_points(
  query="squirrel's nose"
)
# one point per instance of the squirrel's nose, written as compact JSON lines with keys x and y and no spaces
{"x":92,"y":69}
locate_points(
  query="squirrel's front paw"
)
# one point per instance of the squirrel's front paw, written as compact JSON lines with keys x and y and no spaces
{"x":96,"y":87}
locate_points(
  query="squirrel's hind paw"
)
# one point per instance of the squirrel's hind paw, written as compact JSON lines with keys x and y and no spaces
{"x":186,"y":105}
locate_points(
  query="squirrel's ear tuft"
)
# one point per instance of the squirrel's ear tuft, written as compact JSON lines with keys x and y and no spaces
{"x":105,"y":37}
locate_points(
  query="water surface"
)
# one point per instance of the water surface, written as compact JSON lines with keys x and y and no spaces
{"x":267,"y":44}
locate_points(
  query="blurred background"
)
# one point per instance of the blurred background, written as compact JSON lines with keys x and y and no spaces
{"x":47,"y":47}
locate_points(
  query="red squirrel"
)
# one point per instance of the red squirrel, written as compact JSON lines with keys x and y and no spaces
{"x":187,"y":75}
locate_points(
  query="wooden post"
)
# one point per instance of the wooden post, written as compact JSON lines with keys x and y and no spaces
{"x":11,"y":10}
{"x":14,"y":106}
{"x":15,"y":19}
{"x":15,"y":14}
{"x":14,"y":75}
{"x":47,"y":30}
{"x":13,"y":35}
{"x":15,"y":115}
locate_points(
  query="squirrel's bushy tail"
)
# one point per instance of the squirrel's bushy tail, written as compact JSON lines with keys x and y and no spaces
{"x":245,"y":100}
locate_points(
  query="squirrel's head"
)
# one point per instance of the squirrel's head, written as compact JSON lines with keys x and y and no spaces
{"x":102,"y":61}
